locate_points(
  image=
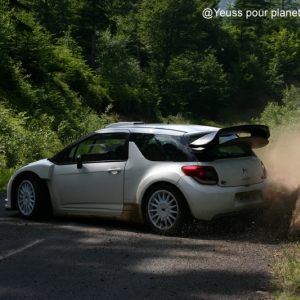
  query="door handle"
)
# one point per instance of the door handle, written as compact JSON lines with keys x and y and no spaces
{"x":114,"y":171}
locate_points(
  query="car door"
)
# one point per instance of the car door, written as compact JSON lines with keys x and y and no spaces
{"x":90,"y":177}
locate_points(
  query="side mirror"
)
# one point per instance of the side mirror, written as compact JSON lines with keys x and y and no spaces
{"x":79,"y":161}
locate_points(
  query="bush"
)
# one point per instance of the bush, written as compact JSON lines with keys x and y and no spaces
{"x":285,"y":116}
{"x":24,"y":139}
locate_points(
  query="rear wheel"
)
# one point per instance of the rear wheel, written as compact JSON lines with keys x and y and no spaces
{"x":165,"y":209}
{"x":32,"y":199}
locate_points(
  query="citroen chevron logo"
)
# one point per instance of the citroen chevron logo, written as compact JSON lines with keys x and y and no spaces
{"x":245,"y":170}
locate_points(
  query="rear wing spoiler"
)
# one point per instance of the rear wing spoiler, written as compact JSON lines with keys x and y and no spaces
{"x":254,"y":136}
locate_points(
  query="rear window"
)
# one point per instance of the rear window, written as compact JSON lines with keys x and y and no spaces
{"x":156,"y":147}
{"x":224,"y":152}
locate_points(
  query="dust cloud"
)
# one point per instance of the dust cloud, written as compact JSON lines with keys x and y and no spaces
{"x":282,"y":162}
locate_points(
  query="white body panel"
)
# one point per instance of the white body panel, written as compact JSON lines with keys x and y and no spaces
{"x":207,"y":201}
{"x":141,"y":173}
{"x":96,"y":188}
{"x":239,"y":171}
{"x":43,"y":168}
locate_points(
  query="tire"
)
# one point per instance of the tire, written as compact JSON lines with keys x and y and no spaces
{"x":165,"y":209}
{"x":33,"y":199}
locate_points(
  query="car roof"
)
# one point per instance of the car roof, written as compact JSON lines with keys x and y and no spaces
{"x":177,"y":129}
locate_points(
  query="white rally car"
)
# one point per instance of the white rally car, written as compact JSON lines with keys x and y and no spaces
{"x":159,"y":174}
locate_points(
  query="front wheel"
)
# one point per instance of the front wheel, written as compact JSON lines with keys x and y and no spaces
{"x":32,"y":199}
{"x":165,"y":209}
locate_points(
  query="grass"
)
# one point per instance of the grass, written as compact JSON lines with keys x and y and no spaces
{"x":287,"y":271}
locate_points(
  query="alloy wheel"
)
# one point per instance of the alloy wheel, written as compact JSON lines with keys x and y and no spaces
{"x":163,"y":209}
{"x":26,"y":197}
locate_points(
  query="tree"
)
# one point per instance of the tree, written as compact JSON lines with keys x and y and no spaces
{"x":87,"y":18}
{"x":132,"y":90}
{"x":196,"y":84}
{"x":52,"y":14}
{"x":283,"y":49}
{"x":166,"y":29}
{"x":250,"y":28}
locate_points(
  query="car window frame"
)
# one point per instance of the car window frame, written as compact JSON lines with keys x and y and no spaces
{"x":190,"y":157}
{"x":58,"y":158}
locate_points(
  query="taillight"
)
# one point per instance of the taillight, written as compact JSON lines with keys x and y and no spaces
{"x":265,"y":174}
{"x":203,"y":174}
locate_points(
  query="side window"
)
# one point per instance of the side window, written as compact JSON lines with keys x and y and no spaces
{"x":99,"y":147}
{"x":161,"y":147}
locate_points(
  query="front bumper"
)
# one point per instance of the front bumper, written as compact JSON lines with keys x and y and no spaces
{"x":7,"y":208}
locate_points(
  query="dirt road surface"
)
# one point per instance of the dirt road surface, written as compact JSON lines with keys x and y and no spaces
{"x":91,"y":258}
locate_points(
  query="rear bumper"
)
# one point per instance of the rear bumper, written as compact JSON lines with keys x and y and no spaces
{"x":8,"y":200}
{"x":207,"y":202}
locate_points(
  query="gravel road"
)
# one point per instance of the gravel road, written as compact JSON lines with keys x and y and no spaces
{"x":91,"y":258}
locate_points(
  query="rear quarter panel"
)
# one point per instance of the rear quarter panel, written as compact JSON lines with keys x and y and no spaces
{"x":141,"y":173}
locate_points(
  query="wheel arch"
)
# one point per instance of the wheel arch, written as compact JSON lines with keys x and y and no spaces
{"x":154,"y":184}
{"x":17,"y":180}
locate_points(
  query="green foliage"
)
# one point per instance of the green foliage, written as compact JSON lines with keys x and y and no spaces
{"x":169,"y":28}
{"x":283,"y":117}
{"x":5,"y":175}
{"x":131,"y":89}
{"x":86,"y":121}
{"x":252,"y":80}
{"x":67,"y":66}
{"x":73,"y":75}
{"x":260,"y":53}
{"x":52,"y":14}
{"x":287,"y":270}
{"x":181,"y":61}
{"x":87,"y":18}
{"x":196,"y":84}
{"x":176,"y":119}
{"x":283,"y":49}
{"x":24,"y":139}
